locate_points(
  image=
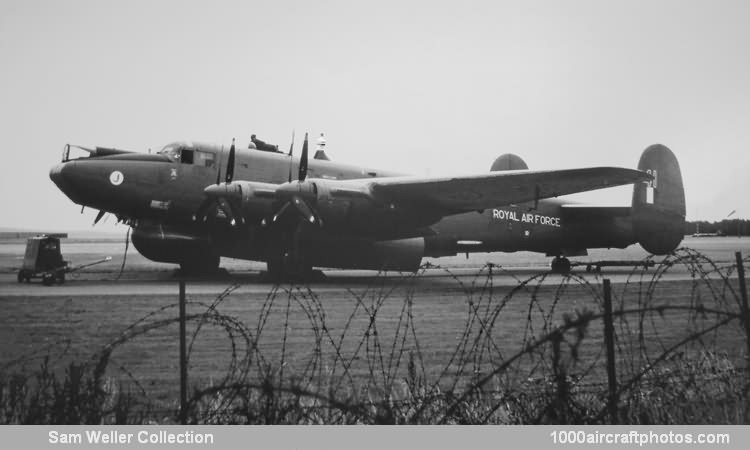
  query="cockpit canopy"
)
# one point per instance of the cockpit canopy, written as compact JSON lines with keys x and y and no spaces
{"x":188,"y":154}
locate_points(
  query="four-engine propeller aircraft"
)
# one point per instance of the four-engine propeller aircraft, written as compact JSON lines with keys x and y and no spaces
{"x":340,"y":216}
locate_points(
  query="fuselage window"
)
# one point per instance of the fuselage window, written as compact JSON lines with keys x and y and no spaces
{"x":204,"y":158}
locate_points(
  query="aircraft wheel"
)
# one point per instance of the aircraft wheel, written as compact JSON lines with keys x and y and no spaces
{"x":288,"y":268}
{"x":48,"y":279}
{"x":286,"y":261}
{"x":274,"y":267}
{"x":560,"y":265}
{"x":288,"y":265}
{"x":278,"y":270}
{"x":21,"y":276}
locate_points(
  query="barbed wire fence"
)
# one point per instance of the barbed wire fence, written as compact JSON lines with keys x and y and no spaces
{"x":529,"y":353}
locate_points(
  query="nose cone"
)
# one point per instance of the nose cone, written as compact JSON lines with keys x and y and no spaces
{"x":73,"y":180}
{"x":57,"y":177}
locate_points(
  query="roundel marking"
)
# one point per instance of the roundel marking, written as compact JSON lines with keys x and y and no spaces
{"x":116,"y":178}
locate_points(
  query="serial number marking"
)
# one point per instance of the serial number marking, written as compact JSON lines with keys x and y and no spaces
{"x":501,"y":214}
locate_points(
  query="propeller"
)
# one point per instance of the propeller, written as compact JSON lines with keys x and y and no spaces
{"x":298,"y":195}
{"x":295,"y":193}
{"x":224,"y":195}
{"x":305,"y":210}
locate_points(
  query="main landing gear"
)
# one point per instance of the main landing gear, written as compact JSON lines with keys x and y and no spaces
{"x":287,"y":260}
{"x":561,"y":265}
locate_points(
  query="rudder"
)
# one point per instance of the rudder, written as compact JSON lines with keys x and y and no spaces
{"x":658,"y":207}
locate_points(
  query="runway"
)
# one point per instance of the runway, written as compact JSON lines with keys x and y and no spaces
{"x":139,"y":276}
{"x":428,"y":280}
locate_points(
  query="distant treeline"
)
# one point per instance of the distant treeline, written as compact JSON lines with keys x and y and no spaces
{"x":733,"y":227}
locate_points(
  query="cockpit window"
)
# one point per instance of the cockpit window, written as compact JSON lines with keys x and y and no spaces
{"x":171,"y":152}
{"x":187,"y":155}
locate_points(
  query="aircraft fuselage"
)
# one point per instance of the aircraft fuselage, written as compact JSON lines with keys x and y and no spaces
{"x":159,"y":194}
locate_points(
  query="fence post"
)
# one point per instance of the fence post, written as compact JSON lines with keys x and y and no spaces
{"x":609,"y":340}
{"x":745,"y":310}
{"x":183,"y":358}
{"x":743,"y":293}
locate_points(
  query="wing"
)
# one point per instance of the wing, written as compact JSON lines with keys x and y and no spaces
{"x":476,"y":192}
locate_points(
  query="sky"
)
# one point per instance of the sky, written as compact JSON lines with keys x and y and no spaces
{"x":422,"y":87}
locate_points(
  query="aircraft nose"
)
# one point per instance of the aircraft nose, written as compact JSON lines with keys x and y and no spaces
{"x":67,"y":177}
{"x":56,"y":175}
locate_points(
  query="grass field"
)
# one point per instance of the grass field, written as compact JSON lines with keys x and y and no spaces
{"x":412,"y":349}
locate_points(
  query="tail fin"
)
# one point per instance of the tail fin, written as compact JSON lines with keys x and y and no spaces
{"x":508,"y":161}
{"x":658,"y":208}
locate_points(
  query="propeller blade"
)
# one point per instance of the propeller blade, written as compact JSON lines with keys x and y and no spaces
{"x":235,"y":211}
{"x":304,"y":209}
{"x":303,"y":162}
{"x":280,"y":212}
{"x":291,"y":150}
{"x":230,"y":164}
{"x":99,"y":216}
{"x":200,"y":214}
{"x":218,"y":172}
